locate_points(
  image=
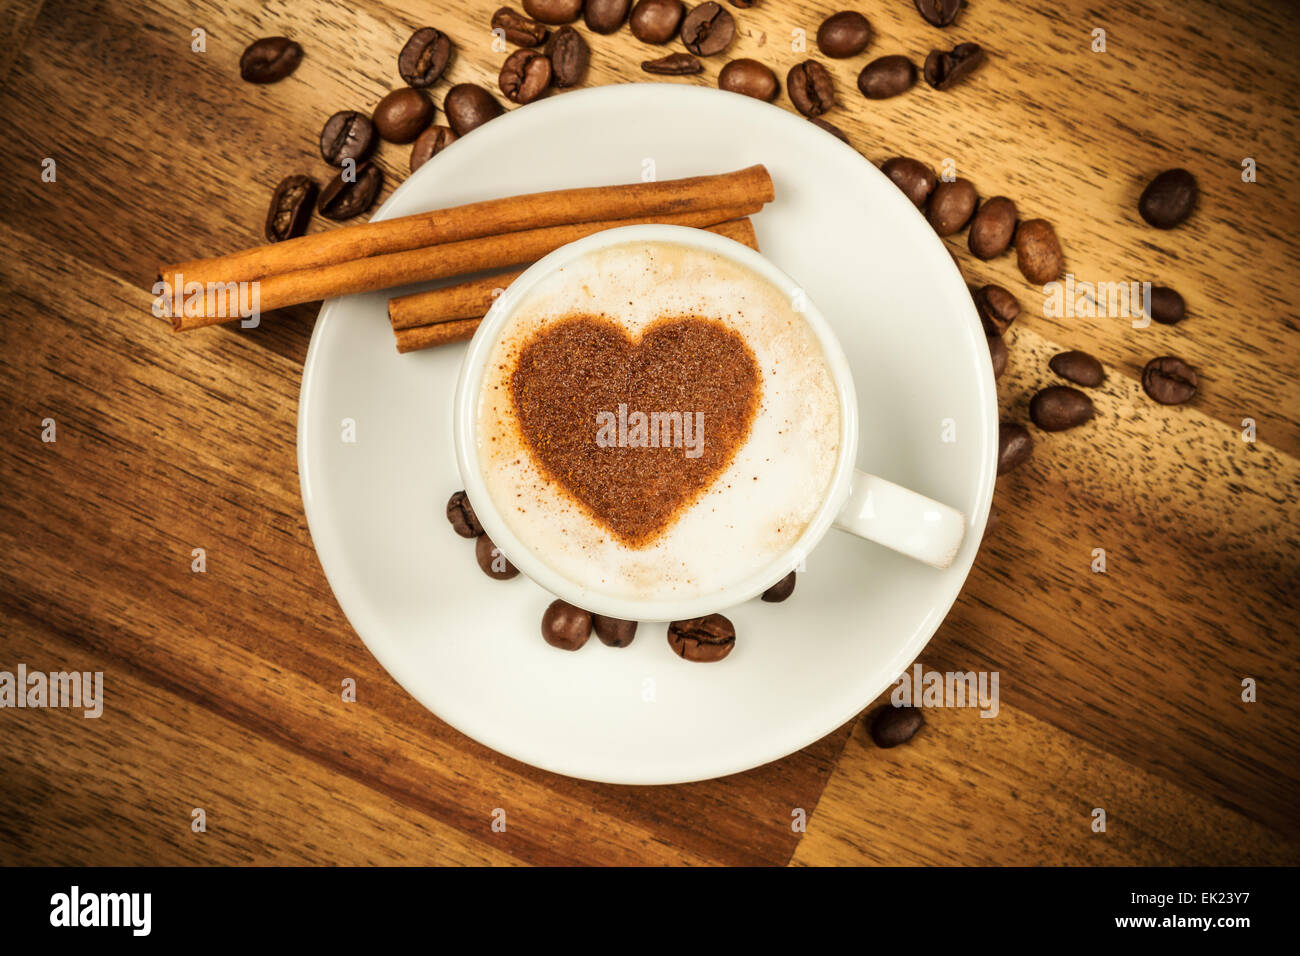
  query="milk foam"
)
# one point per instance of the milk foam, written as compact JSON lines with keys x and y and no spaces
{"x":756,"y":508}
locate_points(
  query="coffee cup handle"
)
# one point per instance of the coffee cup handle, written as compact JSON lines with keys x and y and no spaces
{"x":902,"y":520}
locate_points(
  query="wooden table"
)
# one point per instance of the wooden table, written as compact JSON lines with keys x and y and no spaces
{"x":1120,"y":690}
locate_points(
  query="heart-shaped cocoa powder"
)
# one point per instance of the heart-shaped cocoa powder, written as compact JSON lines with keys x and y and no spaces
{"x":581,"y":367}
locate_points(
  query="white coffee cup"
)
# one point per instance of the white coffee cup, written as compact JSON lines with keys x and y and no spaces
{"x":857,"y":502}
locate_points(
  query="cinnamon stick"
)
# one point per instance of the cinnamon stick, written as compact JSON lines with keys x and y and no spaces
{"x":447,"y":330}
{"x":467,"y":300}
{"x":417,"y":265}
{"x":481,"y":219}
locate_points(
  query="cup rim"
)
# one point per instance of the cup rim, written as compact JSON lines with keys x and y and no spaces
{"x":465,"y":419}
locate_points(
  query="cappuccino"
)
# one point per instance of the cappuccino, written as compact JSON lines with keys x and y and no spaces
{"x":657,"y":421}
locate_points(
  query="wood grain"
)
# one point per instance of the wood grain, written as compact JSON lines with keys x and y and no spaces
{"x":1121,"y":689}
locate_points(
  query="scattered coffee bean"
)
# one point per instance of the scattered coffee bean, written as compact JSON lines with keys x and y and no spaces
{"x":525,"y":76}
{"x":674,"y":64}
{"x":1078,"y":367}
{"x":1169,"y":198}
{"x":269,"y":59}
{"x":290,"y":209}
{"x":708,"y":29}
{"x":553,"y":12}
{"x":992,"y":524}
{"x":424,"y":57}
{"x":913,"y":177}
{"x":743,"y":4}
{"x":569,"y":55}
{"x":657,"y":21}
{"x":702,"y":639}
{"x":1058,"y":407}
{"x":1169,"y":380}
{"x":886,"y":77}
{"x":1167,"y":306}
{"x":750,"y":78}
{"x":468,"y":106}
{"x":843,"y":34}
{"x":997,"y":307}
{"x":810,"y":87}
{"x":346,"y":135}
{"x":830,"y":128}
{"x":938,"y":13}
{"x":344,"y":198}
{"x":613,"y":631}
{"x":993,"y":228}
{"x":998,"y":354}
{"x":492,"y":561}
{"x":781,"y":590}
{"x":951,"y":205}
{"x":402,"y":115}
{"x":891,"y":726}
{"x":943,"y":70}
{"x":605,"y":16}
{"x":1015,"y":446}
{"x":1038,"y":251}
{"x":429,"y":144}
{"x":565,"y":626}
{"x":518,"y":29}
{"x":462,"y":517}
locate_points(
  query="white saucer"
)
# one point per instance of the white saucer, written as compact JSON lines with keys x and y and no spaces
{"x":469,"y":648}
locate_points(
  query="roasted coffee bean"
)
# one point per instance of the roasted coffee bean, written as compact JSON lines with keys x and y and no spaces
{"x":1078,"y":367}
{"x":674,"y":64}
{"x":462,"y":517}
{"x":891,"y":726}
{"x":938,"y":13}
{"x":703,"y":639}
{"x":951,"y":205}
{"x":525,"y":75}
{"x":997,"y":307}
{"x":402,"y":115}
{"x":290,"y":209}
{"x":269,"y":59}
{"x":469,"y":106}
{"x":750,"y":78}
{"x":1015,"y":446}
{"x":913,"y":177}
{"x":1038,"y":251}
{"x":781,"y":590}
{"x":429,"y":144}
{"x":613,"y":631}
{"x":1169,"y":380}
{"x":424,"y":57}
{"x":993,"y":228}
{"x":1058,"y":407}
{"x":569,"y":55}
{"x":708,"y":29}
{"x":991,"y":526}
{"x":886,"y":77}
{"x":492,"y":561}
{"x":605,"y":16}
{"x":518,"y":29}
{"x":565,"y":626}
{"x":1167,"y":306}
{"x":657,"y":21}
{"x":810,"y":87}
{"x":347,"y":135}
{"x":944,"y":70}
{"x":1169,"y":198}
{"x":344,"y":198}
{"x":830,"y":128}
{"x":843,"y":34}
{"x":742,"y":4}
{"x":553,"y":12}
{"x":998,"y":354}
